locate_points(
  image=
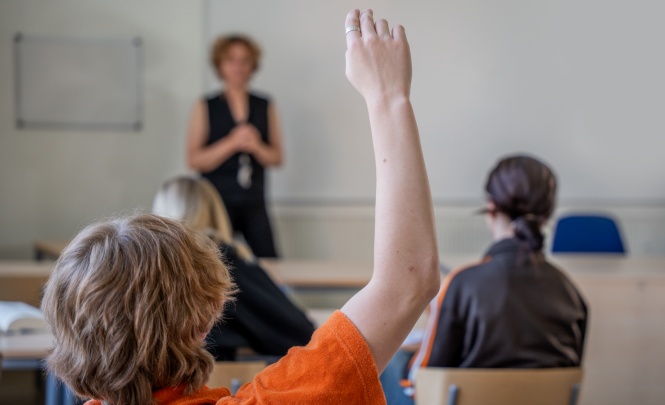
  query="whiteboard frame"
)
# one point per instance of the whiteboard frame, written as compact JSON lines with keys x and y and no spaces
{"x":22,"y":123}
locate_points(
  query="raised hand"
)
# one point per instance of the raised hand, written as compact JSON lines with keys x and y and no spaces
{"x":406,"y":264}
{"x":378,"y":61}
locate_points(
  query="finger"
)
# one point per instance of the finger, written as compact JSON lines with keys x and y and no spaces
{"x":367,"y":23}
{"x":251,"y":129}
{"x":352,"y":20}
{"x":399,"y":33}
{"x":382,"y":29}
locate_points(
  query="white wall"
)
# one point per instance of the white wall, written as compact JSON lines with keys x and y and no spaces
{"x":346,"y":232}
{"x":577,"y":82}
{"x":54,"y":182}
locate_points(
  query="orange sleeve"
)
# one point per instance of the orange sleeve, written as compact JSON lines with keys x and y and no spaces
{"x":336,"y":367}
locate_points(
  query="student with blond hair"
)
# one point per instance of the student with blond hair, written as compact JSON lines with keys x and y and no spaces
{"x":131,"y":300}
{"x":262,"y":317}
{"x":196,"y":202}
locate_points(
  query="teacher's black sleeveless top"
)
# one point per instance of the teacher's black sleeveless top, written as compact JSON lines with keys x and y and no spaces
{"x":224,"y":177}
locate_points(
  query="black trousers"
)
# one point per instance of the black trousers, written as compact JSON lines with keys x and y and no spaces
{"x":252,"y":220}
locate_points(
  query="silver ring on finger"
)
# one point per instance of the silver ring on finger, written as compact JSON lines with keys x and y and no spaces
{"x":352,"y":28}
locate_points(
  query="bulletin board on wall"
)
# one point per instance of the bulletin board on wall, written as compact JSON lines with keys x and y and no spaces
{"x":78,"y":83}
{"x":577,"y":83}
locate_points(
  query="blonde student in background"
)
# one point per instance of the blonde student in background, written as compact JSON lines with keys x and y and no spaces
{"x":261,"y":317}
{"x":131,"y":300}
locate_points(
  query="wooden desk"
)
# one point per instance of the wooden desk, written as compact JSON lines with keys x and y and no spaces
{"x":49,"y":248}
{"x":23,"y":281}
{"x":25,"y":346}
{"x":624,"y":357}
{"x":307,"y":273}
{"x":26,"y":352}
{"x":609,"y":265}
{"x":340,"y":274}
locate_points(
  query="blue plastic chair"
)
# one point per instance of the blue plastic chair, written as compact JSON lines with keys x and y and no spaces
{"x":587,"y":234}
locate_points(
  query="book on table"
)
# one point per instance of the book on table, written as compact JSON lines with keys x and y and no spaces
{"x":19,"y":317}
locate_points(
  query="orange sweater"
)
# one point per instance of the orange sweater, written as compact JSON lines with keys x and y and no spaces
{"x":336,"y":367}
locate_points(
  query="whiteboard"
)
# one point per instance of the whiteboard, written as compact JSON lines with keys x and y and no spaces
{"x":580,"y":84}
{"x":78,"y":83}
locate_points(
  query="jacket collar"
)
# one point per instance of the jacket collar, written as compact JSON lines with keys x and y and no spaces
{"x":504,"y":246}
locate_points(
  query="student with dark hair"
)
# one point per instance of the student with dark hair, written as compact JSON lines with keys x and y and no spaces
{"x":513,"y":309}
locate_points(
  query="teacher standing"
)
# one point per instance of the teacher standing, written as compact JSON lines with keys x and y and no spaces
{"x":233,"y":136}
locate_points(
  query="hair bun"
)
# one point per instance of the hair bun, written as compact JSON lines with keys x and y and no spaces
{"x":527,"y":229}
{"x":524,"y":189}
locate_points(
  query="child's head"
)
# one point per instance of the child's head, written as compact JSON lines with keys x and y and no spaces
{"x":523,"y":189}
{"x":129,"y":302}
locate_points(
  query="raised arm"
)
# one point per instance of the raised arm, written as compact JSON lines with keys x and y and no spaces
{"x":406,"y":263}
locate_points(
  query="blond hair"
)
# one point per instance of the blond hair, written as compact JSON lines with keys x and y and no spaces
{"x":196,"y":202}
{"x":221,"y":46}
{"x":128,"y":302}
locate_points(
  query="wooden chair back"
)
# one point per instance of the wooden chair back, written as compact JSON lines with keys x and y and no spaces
{"x":233,"y":374}
{"x":455,"y":386}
